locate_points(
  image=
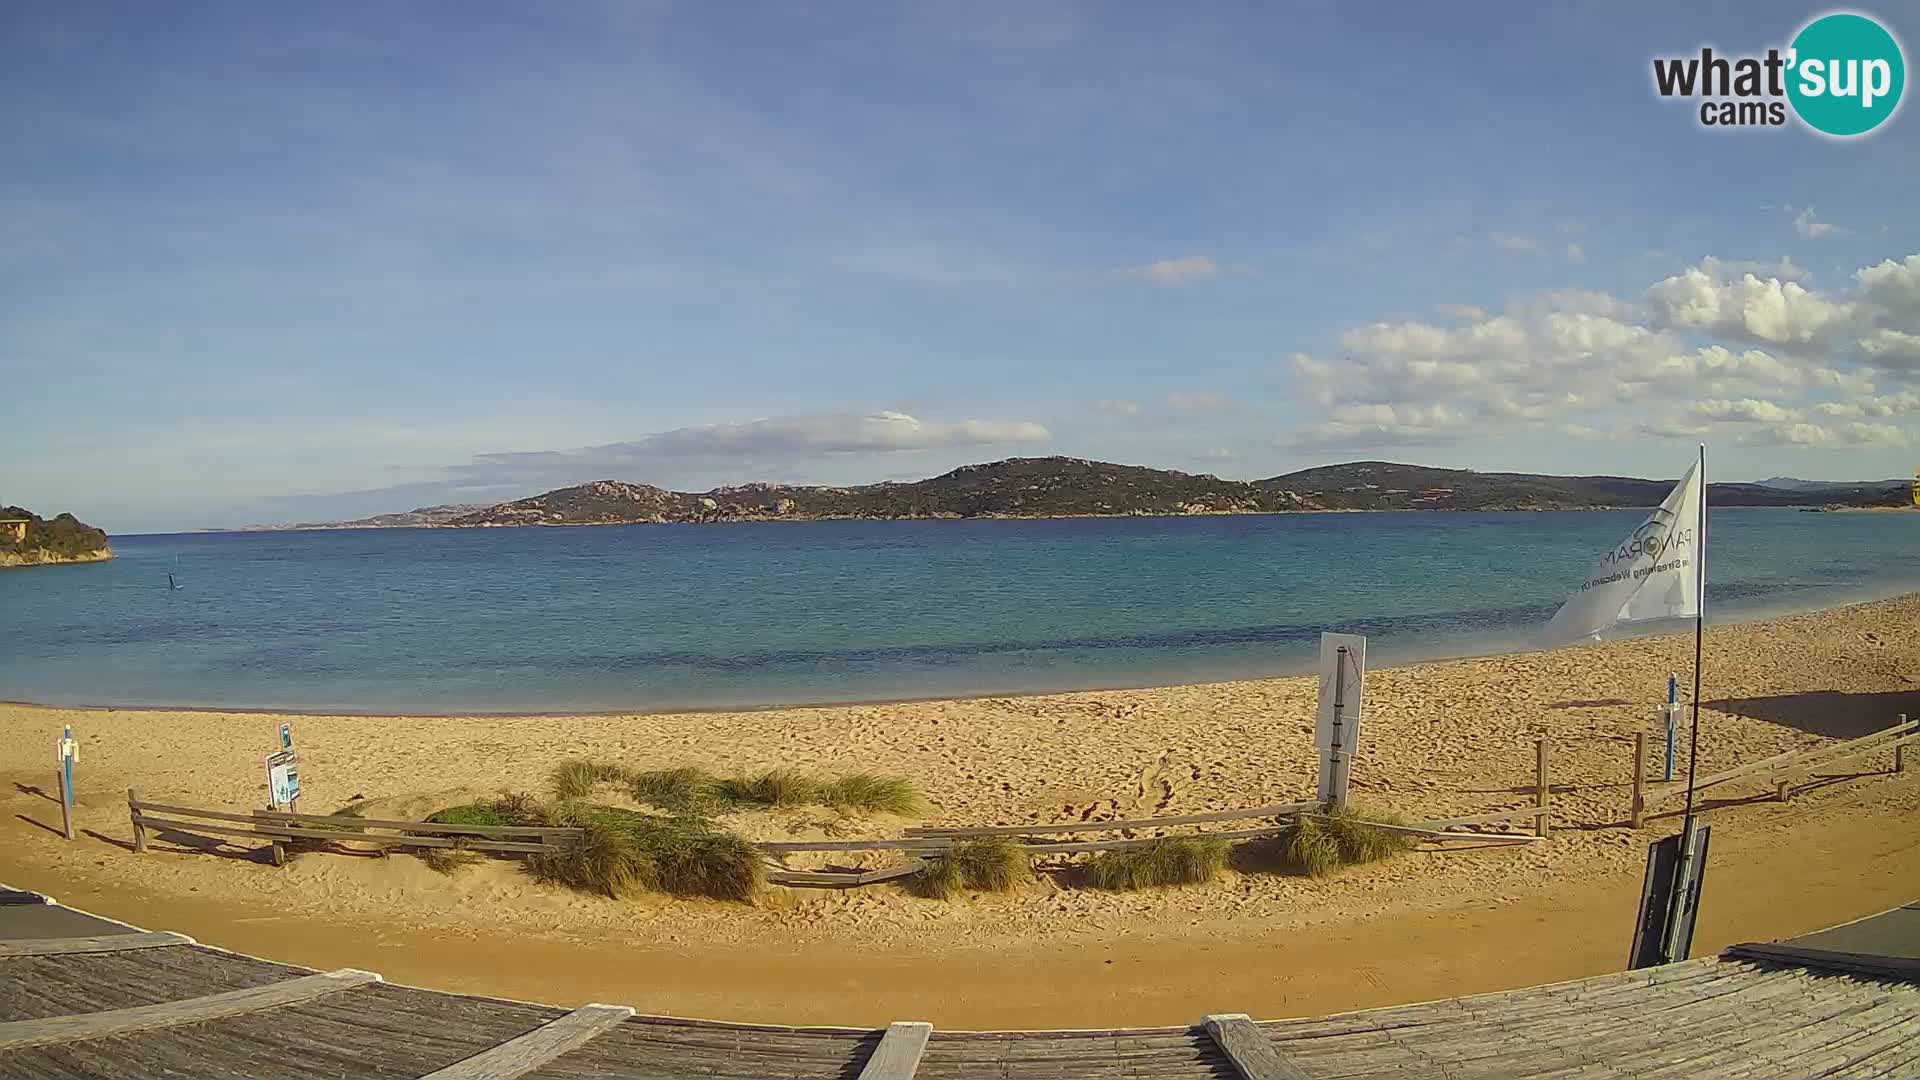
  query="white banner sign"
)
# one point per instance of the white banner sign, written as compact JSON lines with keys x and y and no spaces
{"x":1653,"y":574}
{"x":1343,"y":673}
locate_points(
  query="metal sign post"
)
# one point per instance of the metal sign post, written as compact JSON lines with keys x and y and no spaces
{"x":68,"y":752}
{"x":1669,"y":900}
{"x":1343,"y":672}
{"x":1673,"y":719}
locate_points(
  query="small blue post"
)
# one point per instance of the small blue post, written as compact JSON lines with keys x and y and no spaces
{"x":1673,"y":704}
{"x":286,"y":736}
{"x":66,"y":781}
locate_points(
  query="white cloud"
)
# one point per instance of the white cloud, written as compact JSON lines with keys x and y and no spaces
{"x":1196,"y":400}
{"x":1770,"y":310}
{"x":1840,"y":436}
{"x":1219,"y":453}
{"x":1813,"y":229}
{"x":1746,"y":410}
{"x":1716,"y":347}
{"x":1576,"y":253}
{"x":1116,"y":407}
{"x":1893,"y":285}
{"x":1177,"y":271}
{"x":1786,"y":269}
{"x":838,"y":433}
{"x":1463,"y":312}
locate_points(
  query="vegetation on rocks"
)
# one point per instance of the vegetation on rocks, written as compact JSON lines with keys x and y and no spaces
{"x":50,"y":540}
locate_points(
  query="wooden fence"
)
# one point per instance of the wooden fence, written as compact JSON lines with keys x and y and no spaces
{"x":1778,"y":772}
{"x":277,"y":828}
{"x":920,"y":842}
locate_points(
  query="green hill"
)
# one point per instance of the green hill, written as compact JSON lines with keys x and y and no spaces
{"x":62,"y":539}
{"x":1385,"y":485}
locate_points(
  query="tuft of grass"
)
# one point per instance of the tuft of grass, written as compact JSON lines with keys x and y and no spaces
{"x":1174,"y":860}
{"x":687,"y":789}
{"x":448,"y":860}
{"x":575,"y":779}
{"x":873,"y":793}
{"x":992,"y":864}
{"x":775,"y":787}
{"x":625,"y":852}
{"x":1343,"y":836}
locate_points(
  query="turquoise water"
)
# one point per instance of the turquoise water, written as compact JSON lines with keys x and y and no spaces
{"x":678,"y":616}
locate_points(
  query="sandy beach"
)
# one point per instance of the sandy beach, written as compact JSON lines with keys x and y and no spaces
{"x":1441,"y":739}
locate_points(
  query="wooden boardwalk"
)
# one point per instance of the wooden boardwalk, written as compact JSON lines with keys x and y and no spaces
{"x":77,"y":1007}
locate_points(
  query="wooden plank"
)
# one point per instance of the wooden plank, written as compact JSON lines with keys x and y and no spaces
{"x":270,"y":832}
{"x":1073,"y":846}
{"x":1276,"y":810}
{"x":103,"y":943}
{"x":1251,"y":1052}
{"x":898,"y":1055}
{"x":20,"y":1034}
{"x":348,"y":822}
{"x":520,"y":1056}
{"x":1889,"y":967}
{"x":914,"y":843}
{"x":1480,"y":819}
{"x":1790,"y":759}
{"x":833,"y":879}
{"x":1637,"y":809}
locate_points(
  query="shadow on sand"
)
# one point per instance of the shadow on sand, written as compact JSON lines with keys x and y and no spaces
{"x":1825,"y":712}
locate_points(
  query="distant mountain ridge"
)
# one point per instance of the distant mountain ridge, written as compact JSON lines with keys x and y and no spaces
{"x":1076,"y":487}
{"x":418,"y":517}
{"x":1788,"y":483}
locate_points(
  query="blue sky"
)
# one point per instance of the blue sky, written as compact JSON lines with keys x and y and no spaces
{"x":273,"y":262}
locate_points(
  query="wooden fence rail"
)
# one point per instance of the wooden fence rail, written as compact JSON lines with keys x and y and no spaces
{"x":1777,"y":771}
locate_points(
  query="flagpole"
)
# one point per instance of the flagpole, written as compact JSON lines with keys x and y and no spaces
{"x":1683,"y":872}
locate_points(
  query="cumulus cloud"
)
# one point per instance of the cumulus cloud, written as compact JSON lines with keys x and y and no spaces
{"x":1894,"y":285}
{"x":1717,"y":348}
{"x":1750,"y":308}
{"x":1786,"y":269}
{"x":1177,"y":271}
{"x":1118,"y":407}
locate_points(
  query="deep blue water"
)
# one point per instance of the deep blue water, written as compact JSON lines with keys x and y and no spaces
{"x":654,"y":617}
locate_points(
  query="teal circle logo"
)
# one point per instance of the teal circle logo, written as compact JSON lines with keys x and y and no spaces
{"x":1845,"y":74}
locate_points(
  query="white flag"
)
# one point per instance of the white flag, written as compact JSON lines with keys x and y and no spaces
{"x":1652,"y":574}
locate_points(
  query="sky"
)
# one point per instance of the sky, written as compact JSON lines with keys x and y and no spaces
{"x":273,"y":262}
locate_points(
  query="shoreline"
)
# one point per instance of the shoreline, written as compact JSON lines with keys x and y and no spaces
{"x":927,"y":699}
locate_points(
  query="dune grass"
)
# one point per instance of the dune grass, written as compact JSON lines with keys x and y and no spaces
{"x":993,"y":864}
{"x":625,"y":852}
{"x":1318,"y":844}
{"x":873,"y":793}
{"x":687,"y":789}
{"x":575,"y":779}
{"x":1174,"y":860}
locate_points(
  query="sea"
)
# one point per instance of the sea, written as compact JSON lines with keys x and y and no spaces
{"x":659,"y":617}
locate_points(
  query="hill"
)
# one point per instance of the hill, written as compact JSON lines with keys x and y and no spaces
{"x":62,"y":539}
{"x":418,"y":518}
{"x":1788,"y":483}
{"x":1074,"y":487}
{"x":1385,"y":485}
{"x":1017,"y":487}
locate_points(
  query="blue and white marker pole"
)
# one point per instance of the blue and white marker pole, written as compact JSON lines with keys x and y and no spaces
{"x":1673,"y":719}
{"x":69,"y":752}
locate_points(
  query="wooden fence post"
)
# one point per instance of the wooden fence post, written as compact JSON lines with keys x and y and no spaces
{"x":280,"y":843}
{"x":1637,"y":814}
{"x":139,"y":830}
{"x":1542,"y":798}
{"x":1900,"y":752}
{"x":1780,"y":792}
